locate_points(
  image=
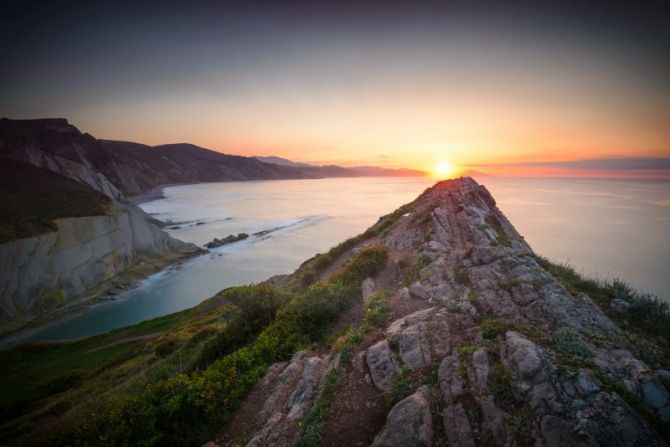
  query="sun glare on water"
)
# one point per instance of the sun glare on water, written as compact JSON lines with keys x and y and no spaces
{"x":443,"y":170}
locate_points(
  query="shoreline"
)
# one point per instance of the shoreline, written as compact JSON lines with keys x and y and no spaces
{"x":106,"y":292}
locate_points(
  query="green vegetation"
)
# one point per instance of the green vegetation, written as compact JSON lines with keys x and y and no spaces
{"x":500,"y":384}
{"x":503,"y":238}
{"x":377,"y":309}
{"x":461,"y":275}
{"x":572,"y":343}
{"x":186,"y":408}
{"x":308,"y":273}
{"x":400,"y":388}
{"x":32,"y":198}
{"x":647,"y":315}
{"x":413,"y":266}
{"x":311,"y":427}
{"x":465,"y":356}
{"x":257,"y":307}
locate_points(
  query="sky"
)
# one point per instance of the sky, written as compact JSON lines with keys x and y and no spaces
{"x":506,"y":88}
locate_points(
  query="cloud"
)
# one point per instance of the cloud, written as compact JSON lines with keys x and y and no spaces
{"x":610,"y":164}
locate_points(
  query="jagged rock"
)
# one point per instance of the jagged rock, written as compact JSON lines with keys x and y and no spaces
{"x":226,"y":240}
{"x":409,"y":423}
{"x":367,"y":289}
{"x":457,"y":426}
{"x":449,"y":379}
{"x":586,"y":383}
{"x":418,"y":291}
{"x":535,"y":373}
{"x":304,"y":392}
{"x":413,"y":349}
{"x":620,"y":306}
{"x":294,"y":387}
{"x":381,"y":365}
{"x":51,"y":270}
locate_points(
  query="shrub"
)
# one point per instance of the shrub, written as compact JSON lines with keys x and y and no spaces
{"x":376,"y":310}
{"x":499,"y":382}
{"x":186,"y":409}
{"x":257,"y":306}
{"x":461,"y":275}
{"x":572,"y":343}
{"x":401,"y":387}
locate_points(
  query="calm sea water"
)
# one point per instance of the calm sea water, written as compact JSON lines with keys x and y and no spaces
{"x":604,"y":228}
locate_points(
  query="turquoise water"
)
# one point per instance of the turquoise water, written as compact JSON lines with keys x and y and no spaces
{"x":604,"y":228}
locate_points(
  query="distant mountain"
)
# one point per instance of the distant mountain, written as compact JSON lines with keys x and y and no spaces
{"x":282,"y":161}
{"x":339,"y":171}
{"x":131,"y":168}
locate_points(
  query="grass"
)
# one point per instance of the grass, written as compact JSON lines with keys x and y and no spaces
{"x":461,"y":275}
{"x":648,"y":315}
{"x":572,"y":343}
{"x":377,"y":310}
{"x":400,"y":388}
{"x":32,"y":198}
{"x":500,"y":385}
{"x":503,"y":238}
{"x":311,"y":427}
{"x":186,"y":409}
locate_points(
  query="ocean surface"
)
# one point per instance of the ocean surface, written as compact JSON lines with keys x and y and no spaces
{"x":604,"y":228}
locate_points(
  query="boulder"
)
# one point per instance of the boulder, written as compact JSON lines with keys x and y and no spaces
{"x":381,"y":365}
{"x":409,"y":423}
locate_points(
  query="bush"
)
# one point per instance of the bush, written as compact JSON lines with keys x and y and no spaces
{"x":401,"y":387}
{"x":572,"y":343}
{"x":461,"y":275}
{"x":376,"y":310}
{"x":647,"y":314}
{"x":257,"y":306}
{"x":187,"y":409}
{"x":499,"y":382}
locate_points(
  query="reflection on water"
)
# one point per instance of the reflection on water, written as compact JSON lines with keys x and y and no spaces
{"x":604,"y":228}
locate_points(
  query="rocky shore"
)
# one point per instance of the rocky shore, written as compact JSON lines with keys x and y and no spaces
{"x":477,"y":345}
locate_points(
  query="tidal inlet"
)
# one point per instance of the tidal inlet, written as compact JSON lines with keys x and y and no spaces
{"x":302,"y":224}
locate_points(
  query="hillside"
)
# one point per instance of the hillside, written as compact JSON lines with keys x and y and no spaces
{"x":132,"y":168}
{"x":339,"y":171}
{"x":67,"y":233}
{"x":437,"y":326}
{"x":32,"y":198}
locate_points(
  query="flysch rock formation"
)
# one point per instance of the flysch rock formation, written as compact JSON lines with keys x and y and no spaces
{"x":84,"y":255}
{"x":474,"y":334}
{"x":51,"y":270}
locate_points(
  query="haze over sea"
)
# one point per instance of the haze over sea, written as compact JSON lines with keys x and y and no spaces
{"x":604,"y":228}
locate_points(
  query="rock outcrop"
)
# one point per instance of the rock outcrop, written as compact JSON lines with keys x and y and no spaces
{"x":56,"y":252}
{"x":481,"y":345}
{"x":42,"y":273}
{"x":121,"y":167}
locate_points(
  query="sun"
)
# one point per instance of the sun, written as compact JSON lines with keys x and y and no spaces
{"x":443,"y":170}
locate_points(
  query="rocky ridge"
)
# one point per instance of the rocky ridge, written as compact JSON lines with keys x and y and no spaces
{"x":75,"y":257}
{"x":478,"y":345}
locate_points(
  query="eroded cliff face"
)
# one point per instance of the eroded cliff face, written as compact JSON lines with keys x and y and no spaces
{"x":49,"y":271}
{"x":479,"y":346}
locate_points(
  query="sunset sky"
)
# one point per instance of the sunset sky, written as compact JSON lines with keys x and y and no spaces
{"x":528,"y":89}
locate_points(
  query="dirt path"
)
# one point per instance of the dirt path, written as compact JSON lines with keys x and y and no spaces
{"x":125,"y":340}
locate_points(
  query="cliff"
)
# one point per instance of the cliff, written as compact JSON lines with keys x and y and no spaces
{"x":120,"y":166}
{"x":69,"y":265}
{"x":437,"y":326}
{"x":464,"y":339}
{"x":65,"y":230}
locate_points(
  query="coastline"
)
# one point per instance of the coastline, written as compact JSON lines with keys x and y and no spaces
{"x":13,"y":333}
{"x":154,"y":193}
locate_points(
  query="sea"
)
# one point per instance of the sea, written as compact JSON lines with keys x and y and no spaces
{"x":604,"y":228}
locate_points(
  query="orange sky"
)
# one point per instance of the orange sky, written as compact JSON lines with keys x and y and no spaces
{"x":356,"y":84}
